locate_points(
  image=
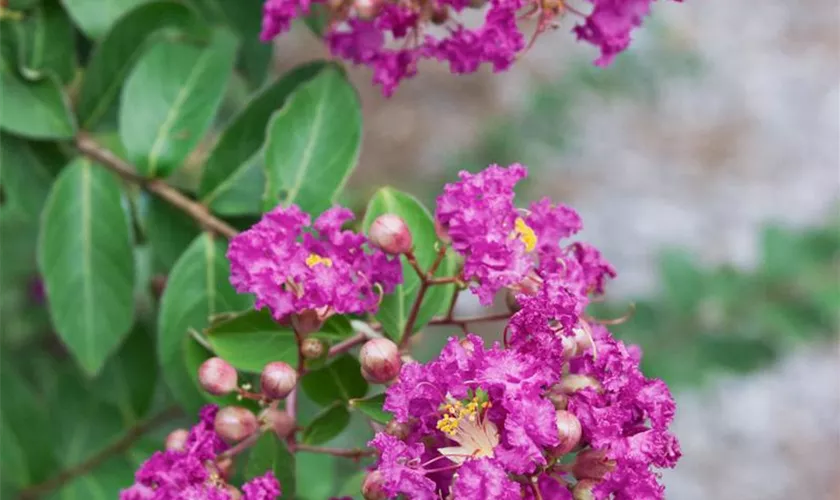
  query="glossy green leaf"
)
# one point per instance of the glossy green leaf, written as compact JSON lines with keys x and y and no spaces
{"x":13,"y":458}
{"x":196,"y":289}
{"x":169,"y":232}
{"x":340,"y":380}
{"x":126,"y":380}
{"x":48,"y":42}
{"x":96,"y":17}
{"x":170,"y":99}
{"x":113,"y":58}
{"x":253,"y":339}
{"x":372,"y":407}
{"x":318,"y":472}
{"x":313,"y":144}
{"x":396,"y":307}
{"x":103,"y":483}
{"x":36,"y":109}
{"x":85,"y":257}
{"x":334,"y":329}
{"x":234,"y":181}
{"x":271,"y":454}
{"x":327,"y":424}
{"x":29,"y":169}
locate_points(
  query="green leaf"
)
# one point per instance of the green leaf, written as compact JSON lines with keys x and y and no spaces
{"x":126,"y":380}
{"x":197,"y":288}
{"x":113,"y":58}
{"x":48,"y":42}
{"x":396,"y":307}
{"x":253,"y":339}
{"x":318,"y":472}
{"x":327,"y":424}
{"x":313,"y":144}
{"x":29,"y":169}
{"x":85,"y":257}
{"x":36,"y":109}
{"x":372,"y":407}
{"x":234,"y":181}
{"x":96,"y":17}
{"x":317,"y":20}
{"x":170,"y":99}
{"x":103,"y":483}
{"x":169,"y":231}
{"x":336,"y":328}
{"x":340,"y":380}
{"x":271,"y":454}
{"x":13,"y":458}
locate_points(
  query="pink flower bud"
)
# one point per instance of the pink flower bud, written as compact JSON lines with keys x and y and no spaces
{"x":224,"y":468}
{"x":307,"y":321}
{"x":277,"y":380}
{"x":279,"y":421}
{"x":373,"y":486}
{"x":235,"y":423}
{"x":390,"y":233}
{"x":399,"y":430}
{"x":592,"y":464}
{"x":312,"y":348}
{"x":367,"y":9}
{"x":569,"y":432}
{"x":176,"y":439}
{"x":584,"y":490}
{"x":442,"y":232}
{"x":233,"y":492}
{"x":557,"y":397}
{"x":217,"y":376}
{"x":572,"y":383}
{"x":380,"y":359}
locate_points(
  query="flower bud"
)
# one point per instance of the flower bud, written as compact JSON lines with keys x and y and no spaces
{"x":573,"y":382}
{"x":312,"y":348}
{"x":233,"y":492}
{"x":399,"y":430}
{"x":557,"y":397}
{"x":217,"y":376}
{"x":176,"y":440}
{"x":569,"y":431}
{"x":440,"y":14}
{"x":367,"y":9}
{"x":277,"y":380}
{"x":592,"y":464}
{"x":583,"y":337}
{"x":279,"y":421}
{"x":584,"y":490}
{"x":442,"y":232}
{"x":570,"y":347}
{"x":380,"y":359}
{"x":511,"y":302}
{"x":224,"y":468}
{"x":373,"y":486}
{"x":390,"y":233}
{"x":307,"y":322}
{"x":235,"y":423}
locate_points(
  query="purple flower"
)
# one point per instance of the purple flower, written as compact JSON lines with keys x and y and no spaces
{"x":291,"y":269}
{"x":484,"y":478}
{"x":190,"y":473}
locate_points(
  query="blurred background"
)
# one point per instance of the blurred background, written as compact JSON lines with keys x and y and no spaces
{"x":706,"y":165}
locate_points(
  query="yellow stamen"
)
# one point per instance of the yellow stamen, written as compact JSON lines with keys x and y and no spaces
{"x":527,"y":235}
{"x":314,"y":259}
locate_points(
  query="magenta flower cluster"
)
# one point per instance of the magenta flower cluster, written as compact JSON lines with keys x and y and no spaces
{"x":560,"y":407}
{"x":392,"y":37}
{"x":192,"y":472}
{"x":291,"y":269}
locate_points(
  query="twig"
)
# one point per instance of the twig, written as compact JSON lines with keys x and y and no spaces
{"x":197,"y":211}
{"x":426,"y":280}
{"x":355,"y":453}
{"x":95,"y":461}
{"x":443,"y":320}
{"x":347,"y":344}
{"x":240,"y":446}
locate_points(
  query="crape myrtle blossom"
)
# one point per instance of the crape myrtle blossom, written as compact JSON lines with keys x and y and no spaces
{"x":392,"y":37}
{"x":483,"y":423}
{"x":190,"y":472}
{"x":292,"y":269}
{"x":504,"y":246}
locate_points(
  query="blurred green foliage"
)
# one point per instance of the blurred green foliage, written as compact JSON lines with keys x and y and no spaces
{"x":706,"y":320}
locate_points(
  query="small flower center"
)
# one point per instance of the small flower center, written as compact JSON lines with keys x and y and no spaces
{"x":314,"y":259}
{"x":525,"y":234}
{"x":464,"y":422}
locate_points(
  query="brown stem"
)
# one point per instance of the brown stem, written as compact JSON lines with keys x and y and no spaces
{"x":474,"y":319}
{"x":197,"y":211}
{"x":95,"y":461}
{"x":354,"y":453}
{"x":347,"y":344}
{"x":240,"y":446}
{"x":425,"y":281}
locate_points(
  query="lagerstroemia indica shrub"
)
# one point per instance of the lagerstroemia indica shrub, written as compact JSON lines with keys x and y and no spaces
{"x":280,"y":317}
